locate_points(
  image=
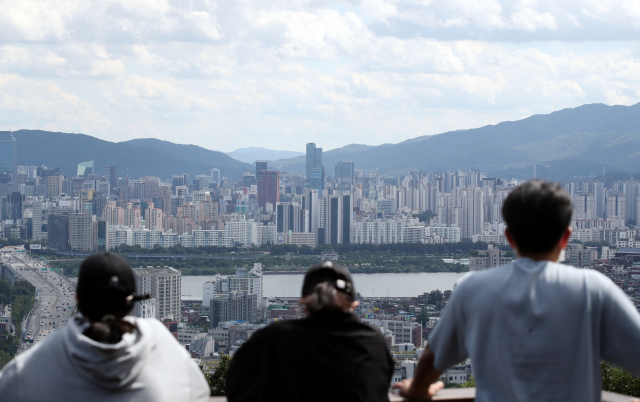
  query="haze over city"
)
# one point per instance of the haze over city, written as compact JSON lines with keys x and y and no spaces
{"x":278,"y":74}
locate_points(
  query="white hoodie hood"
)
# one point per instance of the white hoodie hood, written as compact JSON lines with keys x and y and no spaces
{"x":111,"y":366}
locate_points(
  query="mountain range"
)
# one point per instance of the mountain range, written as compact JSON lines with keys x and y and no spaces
{"x":135,"y":158}
{"x":574,"y":142}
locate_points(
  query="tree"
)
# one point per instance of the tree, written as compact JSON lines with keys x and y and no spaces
{"x":436,"y":297}
{"x":615,"y":379}
{"x":471,"y":383}
{"x":218,"y":379}
{"x":423,"y":318}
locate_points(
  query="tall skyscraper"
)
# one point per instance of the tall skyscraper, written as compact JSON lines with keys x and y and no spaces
{"x":269,"y":188}
{"x":111,"y":175}
{"x":8,"y":153}
{"x":316,"y":179}
{"x":261,"y":166}
{"x":314,"y":158}
{"x":344,"y":174}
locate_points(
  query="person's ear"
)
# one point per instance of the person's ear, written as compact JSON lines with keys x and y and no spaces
{"x":565,"y":237}
{"x":509,"y":236}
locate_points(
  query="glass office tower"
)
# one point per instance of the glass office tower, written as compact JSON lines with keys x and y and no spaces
{"x":8,"y":153}
{"x":85,"y":169}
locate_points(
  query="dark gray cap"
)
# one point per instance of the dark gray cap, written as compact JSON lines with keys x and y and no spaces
{"x":331,"y":272}
{"x":106,"y":286}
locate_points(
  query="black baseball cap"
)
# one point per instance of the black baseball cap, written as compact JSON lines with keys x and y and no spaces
{"x":106,"y":287}
{"x":331,"y":272}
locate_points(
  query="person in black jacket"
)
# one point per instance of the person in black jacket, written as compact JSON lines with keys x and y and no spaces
{"x":327,"y":356}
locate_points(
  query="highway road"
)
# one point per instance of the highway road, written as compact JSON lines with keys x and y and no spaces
{"x":55,"y":297}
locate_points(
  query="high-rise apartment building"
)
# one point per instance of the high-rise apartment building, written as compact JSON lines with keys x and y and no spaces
{"x":58,"y":232}
{"x":54,"y":186}
{"x":339,"y":219}
{"x":232,"y":306}
{"x":615,"y":205}
{"x":269,"y":188}
{"x":100,"y":235}
{"x":599,"y":192}
{"x":290,"y":216}
{"x":8,"y":153}
{"x":632,"y":192}
{"x":250,"y":281}
{"x":164,"y":285}
{"x":81,"y":232}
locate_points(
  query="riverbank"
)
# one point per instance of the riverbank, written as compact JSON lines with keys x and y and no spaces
{"x":368,"y":285}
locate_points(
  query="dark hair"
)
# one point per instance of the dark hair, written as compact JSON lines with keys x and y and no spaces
{"x":325,"y":297}
{"x":537,"y":214}
{"x":106,"y":292}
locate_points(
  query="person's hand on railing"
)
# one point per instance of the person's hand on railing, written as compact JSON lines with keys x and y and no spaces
{"x":405,"y":389}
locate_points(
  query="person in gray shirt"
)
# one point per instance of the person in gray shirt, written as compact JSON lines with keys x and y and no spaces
{"x":535,"y":330}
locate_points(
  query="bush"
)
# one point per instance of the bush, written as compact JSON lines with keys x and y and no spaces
{"x":615,"y":379}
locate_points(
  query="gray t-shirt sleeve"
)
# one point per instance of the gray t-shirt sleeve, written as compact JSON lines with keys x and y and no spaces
{"x":620,"y":328}
{"x":447,"y":339}
{"x":9,"y":382}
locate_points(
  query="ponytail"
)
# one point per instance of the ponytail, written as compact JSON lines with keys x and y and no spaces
{"x":109,"y":330}
{"x":325,"y":297}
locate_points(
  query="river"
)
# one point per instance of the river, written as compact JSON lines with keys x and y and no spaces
{"x":369,"y":285}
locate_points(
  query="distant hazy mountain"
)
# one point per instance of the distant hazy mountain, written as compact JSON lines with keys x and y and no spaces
{"x":252,"y":154}
{"x":140,"y":157}
{"x":574,"y":142}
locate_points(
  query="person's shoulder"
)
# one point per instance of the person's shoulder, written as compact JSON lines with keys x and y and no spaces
{"x":149,"y":324}
{"x":277,"y":327}
{"x":474,"y":278}
{"x":590,"y":276}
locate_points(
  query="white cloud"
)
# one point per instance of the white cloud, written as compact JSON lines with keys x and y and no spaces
{"x":26,"y":103}
{"x":280,"y":73}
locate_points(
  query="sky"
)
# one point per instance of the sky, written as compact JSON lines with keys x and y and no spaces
{"x":277,"y":74}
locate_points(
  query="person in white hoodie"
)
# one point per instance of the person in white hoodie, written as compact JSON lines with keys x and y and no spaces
{"x":105,"y":355}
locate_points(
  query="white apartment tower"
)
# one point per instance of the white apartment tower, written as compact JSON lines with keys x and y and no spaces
{"x":164,"y":285}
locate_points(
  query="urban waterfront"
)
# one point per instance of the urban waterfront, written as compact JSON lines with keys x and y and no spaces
{"x":369,"y":285}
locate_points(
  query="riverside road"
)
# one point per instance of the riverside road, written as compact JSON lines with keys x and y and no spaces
{"x":55,"y":301}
